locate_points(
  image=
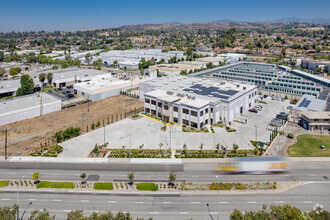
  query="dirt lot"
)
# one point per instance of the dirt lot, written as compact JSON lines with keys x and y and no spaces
{"x":27,"y":135}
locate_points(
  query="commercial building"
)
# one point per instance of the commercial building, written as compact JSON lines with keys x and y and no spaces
{"x":9,"y":87}
{"x":168,"y":69}
{"x":196,"y":102}
{"x":69,"y":78}
{"x":130,"y":65}
{"x":101,"y":88}
{"x":311,"y":77}
{"x":215,"y":60}
{"x":28,"y":106}
{"x":232,"y":57}
{"x":310,"y":103}
{"x":315,"y":121}
{"x":312,"y":65}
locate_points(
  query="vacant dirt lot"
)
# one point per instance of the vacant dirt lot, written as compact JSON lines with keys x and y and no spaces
{"x":27,"y":135}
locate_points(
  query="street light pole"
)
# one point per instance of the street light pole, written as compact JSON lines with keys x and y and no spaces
{"x":218,"y":197}
{"x":17,"y":197}
{"x":25,"y":210}
{"x":208,"y":208}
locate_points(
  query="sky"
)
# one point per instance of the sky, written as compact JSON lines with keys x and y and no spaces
{"x":51,"y":15}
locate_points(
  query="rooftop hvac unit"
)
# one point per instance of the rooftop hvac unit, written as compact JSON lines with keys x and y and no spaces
{"x":179,"y":94}
{"x":165,"y":83}
{"x":182,"y":95}
{"x":244,"y":88}
{"x":175,"y":88}
{"x":193,"y":98}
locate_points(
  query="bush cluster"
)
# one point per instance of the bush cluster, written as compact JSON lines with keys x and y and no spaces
{"x":68,"y":133}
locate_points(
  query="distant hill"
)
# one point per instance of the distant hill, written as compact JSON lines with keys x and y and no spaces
{"x":304,"y":20}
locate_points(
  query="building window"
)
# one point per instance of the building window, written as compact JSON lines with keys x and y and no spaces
{"x":159,"y":114}
{"x":185,"y":111}
{"x":201,"y":113}
{"x":206,"y":121}
{"x":326,"y":119}
{"x":193,"y":124}
{"x":153,"y":102}
{"x":316,"y":119}
{"x":159,"y":104}
{"x":185,"y":122}
{"x":166,"y":107}
{"x":147,"y":100}
{"x":175,"y":120}
{"x":206,"y":111}
{"x":194,"y":113}
{"x":175,"y":109}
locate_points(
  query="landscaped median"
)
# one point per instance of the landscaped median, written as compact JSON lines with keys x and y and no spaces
{"x":161,"y":187}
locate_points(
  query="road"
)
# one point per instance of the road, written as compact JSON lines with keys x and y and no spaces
{"x":197,"y":172}
{"x":304,"y":197}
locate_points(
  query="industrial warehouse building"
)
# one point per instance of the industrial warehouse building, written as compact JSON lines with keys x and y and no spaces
{"x":9,"y":87}
{"x":69,"y":78}
{"x":101,"y":88}
{"x":267,"y":76}
{"x":168,"y":69}
{"x":28,"y":106}
{"x":196,"y":102}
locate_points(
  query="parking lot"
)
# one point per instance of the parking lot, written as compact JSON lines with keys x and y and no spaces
{"x":148,"y":133}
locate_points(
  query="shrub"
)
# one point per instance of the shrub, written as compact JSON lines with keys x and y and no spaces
{"x":222,"y":186}
{"x":146,"y":186}
{"x":240,"y":186}
{"x":35,"y":176}
{"x":290,"y":135}
{"x":281,"y":132}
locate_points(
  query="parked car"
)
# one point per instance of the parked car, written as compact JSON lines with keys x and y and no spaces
{"x":278,"y":99}
{"x":265,"y":96}
{"x":260,"y":106}
{"x":293,"y":103}
{"x":253,"y":110}
{"x":273,"y":98}
{"x":69,"y":95}
{"x":283,"y":117}
{"x":50,"y":91}
{"x":289,"y":107}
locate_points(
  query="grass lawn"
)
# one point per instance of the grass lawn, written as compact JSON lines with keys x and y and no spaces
{"x":64,"y":185}
{"x":4,"y":183}
{"x":309,"y":146}
{"x":146,"y":186}
{"x":103,"y":186}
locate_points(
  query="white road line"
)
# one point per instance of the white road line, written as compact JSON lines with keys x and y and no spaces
{"x":5,"y":199}
{"x":213,"y":213}
{"x":183,"y":213}
{"x":194,"y":176}
{"x":66,"y":210}
{"x":84,"y":200}
{"x":308,"y":202}
{"x":112,"y":201}
{"x":167,"y":202}
{"x":11,"y":173}
{"x":147,"y":176}
{"x":251,"y":202}
{"x":57,"y":200}
{"x":195,"y":202}
{"x":223,"y":202}
{"x":312,"y":175}
{"x":31,"y":199}
{"x":139,"y":202}
{"x":153,"y":213}
{"x":279,"y":201}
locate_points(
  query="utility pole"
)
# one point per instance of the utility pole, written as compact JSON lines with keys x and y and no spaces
{"x":40,"y":105}
{"x":129,"y":146}
{"x":6,"y":144}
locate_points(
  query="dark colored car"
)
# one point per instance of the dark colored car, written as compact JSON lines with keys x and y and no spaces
{"x":69,"y":95}
{"x":253,"y":110}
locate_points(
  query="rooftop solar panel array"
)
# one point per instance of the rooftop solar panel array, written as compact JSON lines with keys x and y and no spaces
{"x":305,"y":103}
{"x":214,"y":91}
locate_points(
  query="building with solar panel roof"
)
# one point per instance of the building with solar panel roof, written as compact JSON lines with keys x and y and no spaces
{"x":196,"y":102}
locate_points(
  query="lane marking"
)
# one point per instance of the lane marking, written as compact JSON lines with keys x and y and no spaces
{"x":251,"y":202}
{"x":195,"y":202}
{"x":84,"y":200}
{"x":139,"y":202}
{"x":66,"y":210}
{"x":31,"y":199}
{"x":112,"y":201}
{"x":57,"y":200}
{"x":183,"y":213}
{"x":213,"y":213}
{"x":308,"y":202}
{"x":279,"y":201}
{"x":11,"y":173}
{"x":194,"y":176}
{"x":5,"y":199}
{"x":167,"y":202}
{"x":223,"y":202}
{"x":153,"y":213}
{"x":312,"y":175}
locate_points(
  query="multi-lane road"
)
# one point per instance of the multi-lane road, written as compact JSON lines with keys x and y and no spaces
{"x":315,"y":189}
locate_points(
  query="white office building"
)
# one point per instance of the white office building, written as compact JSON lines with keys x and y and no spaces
{"x":196,"y":102}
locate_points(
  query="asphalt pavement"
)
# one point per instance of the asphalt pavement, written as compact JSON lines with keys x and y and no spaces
{"x":192,"y":172}
{"x":304,"y":197}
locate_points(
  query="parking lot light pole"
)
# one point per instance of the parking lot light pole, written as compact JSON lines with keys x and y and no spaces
{"x":25,"y":210}
{"x":218,"y":197}
{"x":208,"y":208}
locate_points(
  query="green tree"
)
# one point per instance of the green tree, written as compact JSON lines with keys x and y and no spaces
{"x":49,"y":78}
{"x":235,"y":147}
{"x":172,"y":177}
{"x":14,"y":71}
{"x":236,"y":215}
{"x":7,"y":213}
{"x":2,"y":71}
{"x":83,"y":176}
{"x":130,"y":177}
{"x":88,"y":58}
{"x":27,"y":85}
{"x":42,"y":77}
{"x":41,"y":215}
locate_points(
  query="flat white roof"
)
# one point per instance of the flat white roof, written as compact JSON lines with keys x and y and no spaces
{"x":23,"y":102}
{"x":82,"y":75}
{"x":9,"y":85}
